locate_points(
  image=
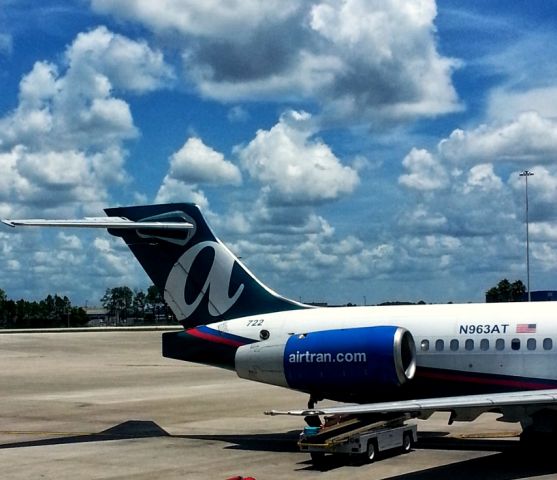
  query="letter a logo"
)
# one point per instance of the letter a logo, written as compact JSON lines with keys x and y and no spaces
{"x":216,"y":285}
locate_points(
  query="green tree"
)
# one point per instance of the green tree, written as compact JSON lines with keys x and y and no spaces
{"x":518,"y":291}
{"x":157,"y":309}
{"x":118,"y":301}
{"x":78,"y":317}
{"x":21,"y":316}
{"x":139,"y":304}
{"x":155,"y":305}
{"x":506,"y":291}
{"x":153,"y":296}
{"x":49,"y":307}
{"x":3,"y":312}
{"x":9,"y":314}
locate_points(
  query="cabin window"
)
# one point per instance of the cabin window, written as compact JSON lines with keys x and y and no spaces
{"x":484,"y":344}
{"x":454,"y":345}
{"x":500,"y":344}
{"x":424,"y":345}
{"x":515,"y":344}
{"x":469,"y":344}
{"x":531,"y":344}
{"x":547,"y":344}
{"x":439,"y":345}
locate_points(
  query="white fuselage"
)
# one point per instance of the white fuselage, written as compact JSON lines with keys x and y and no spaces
{"x":512,"y":339}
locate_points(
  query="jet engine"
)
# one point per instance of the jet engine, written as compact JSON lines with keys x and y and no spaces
{"x":352,"y":360}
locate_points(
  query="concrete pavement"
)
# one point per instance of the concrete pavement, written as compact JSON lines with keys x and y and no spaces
{"x":107,"y":405}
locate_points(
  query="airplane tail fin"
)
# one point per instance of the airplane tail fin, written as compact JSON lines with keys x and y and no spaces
{"x":201,"y":280}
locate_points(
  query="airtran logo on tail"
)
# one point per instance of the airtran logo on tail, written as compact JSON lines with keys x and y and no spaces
{"x":216,"y":285}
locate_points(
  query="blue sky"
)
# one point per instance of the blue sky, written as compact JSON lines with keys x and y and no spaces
{"x":345,"y":150}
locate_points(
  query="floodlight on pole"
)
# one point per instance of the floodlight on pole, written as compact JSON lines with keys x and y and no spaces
{"x":526,"y":174}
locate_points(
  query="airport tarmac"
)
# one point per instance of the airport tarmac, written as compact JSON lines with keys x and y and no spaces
{"x":107,"y":405}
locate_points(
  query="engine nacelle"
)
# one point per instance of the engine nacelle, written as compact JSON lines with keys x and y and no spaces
{"x":355,"y":359}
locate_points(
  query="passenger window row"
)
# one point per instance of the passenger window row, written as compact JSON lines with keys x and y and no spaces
{"x":454,"y":344}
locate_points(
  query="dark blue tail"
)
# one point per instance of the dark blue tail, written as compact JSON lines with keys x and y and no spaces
{"x":202,"y":281}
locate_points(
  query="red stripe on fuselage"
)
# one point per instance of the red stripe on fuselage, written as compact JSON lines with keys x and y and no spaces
{"x":504,"y":382}
{"x":214,"y":338}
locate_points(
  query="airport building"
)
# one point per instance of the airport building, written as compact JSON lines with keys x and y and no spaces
{"x":97,"y":316}
{"x":541,"y":296}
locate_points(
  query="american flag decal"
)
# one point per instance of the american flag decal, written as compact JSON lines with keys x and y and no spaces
{"x":526,"y":328}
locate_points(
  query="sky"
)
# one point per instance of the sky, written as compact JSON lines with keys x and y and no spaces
{"x":348,"y":151}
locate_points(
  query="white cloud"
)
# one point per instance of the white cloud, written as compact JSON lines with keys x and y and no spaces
{"x":472,"y":204}
{"x":62,"y":149}
{"x":482,"y":177}
{"x":74,"y":108}
{"x":348,"y":245}
{"x":195,"y":162}
{"x":308,"y":78}
{"x":211,"y":18}
{"x":369,"y":261}
{"x":526,"y":139}
{"x":280,"y":234}
{"x":38,"y":182}
{"x":295,"y":254}
{"x":425,"y":171}
{"x":39,"y":264}
{"x":110,"y":262}
{"x":70,"y":242}
{"x":544,"y":231}
{"x":421,"y":219}
{"x":54,"y":170}
{"x":481,"y":204}
{"x":360,"y":60}
{"x":63,"y":143}
{"x":38,"y":86}
{"x":390,"y":59}
{"x":30,"y":123}
{"x":273,"y":237}
{"x":293,"y":167}
{"x":108,"y":165}
{"x":546,"y":255}
{"x":471,"y":195}
{"x":130,"y":65}
{"x":505,"y":104}
{"x":542,"y":192}
{"x":173,"y":190}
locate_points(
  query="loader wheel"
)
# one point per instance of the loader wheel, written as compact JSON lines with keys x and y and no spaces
{"x":407,"y":442}
{"x":371,"y":451}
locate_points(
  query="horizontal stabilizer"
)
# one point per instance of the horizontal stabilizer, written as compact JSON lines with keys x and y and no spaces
{"x":99,"y":222}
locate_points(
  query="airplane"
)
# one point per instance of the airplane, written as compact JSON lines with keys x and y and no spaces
{"x":464,"y":359}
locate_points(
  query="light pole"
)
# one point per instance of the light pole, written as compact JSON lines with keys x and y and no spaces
{"x":526,"y":174}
